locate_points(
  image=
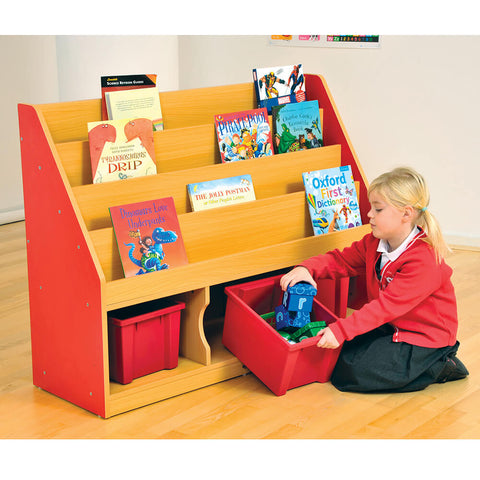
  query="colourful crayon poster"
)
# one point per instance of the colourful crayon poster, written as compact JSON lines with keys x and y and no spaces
{"x":326,"y":41}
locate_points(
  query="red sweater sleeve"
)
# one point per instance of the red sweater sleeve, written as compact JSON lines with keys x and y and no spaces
{"x":418,"y":300}
{"x":410,"y":302}
{"x":349,"y":262}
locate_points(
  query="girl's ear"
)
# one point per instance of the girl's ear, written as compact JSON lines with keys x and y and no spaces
{"x":409,"y":214}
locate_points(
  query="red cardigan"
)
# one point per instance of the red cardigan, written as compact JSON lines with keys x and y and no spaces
{"x":415,"y":294}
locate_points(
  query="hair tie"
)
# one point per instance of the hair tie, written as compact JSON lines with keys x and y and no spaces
{"x":424,"y":209}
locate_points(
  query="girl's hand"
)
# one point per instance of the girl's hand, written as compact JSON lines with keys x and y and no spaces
{"x":327,"y":339}
{"x":298,"y":274}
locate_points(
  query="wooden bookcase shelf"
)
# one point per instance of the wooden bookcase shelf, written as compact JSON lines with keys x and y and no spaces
{"x":75,"y":275}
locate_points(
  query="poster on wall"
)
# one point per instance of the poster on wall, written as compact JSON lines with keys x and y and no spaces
{"x":333,"y":41}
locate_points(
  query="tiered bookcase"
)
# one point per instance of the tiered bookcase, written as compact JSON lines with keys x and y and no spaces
{"x":75,"y":275}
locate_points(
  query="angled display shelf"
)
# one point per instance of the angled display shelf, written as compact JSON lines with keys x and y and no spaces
{"x":74,"y":270}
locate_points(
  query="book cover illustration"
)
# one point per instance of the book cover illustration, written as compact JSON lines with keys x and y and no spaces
{"x":243,"y":135}
{"x":113,"y":83}
{"x":221,"y":192}
{"x":121,"y":149}
{"x":137,"y":103}
{"x":332,"y":199}
{"x":297,"y":126}
{"x":148,"y":236}
{"x":279,"y":85}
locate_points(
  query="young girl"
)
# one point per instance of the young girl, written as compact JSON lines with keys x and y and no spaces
{"x":404,"y":338}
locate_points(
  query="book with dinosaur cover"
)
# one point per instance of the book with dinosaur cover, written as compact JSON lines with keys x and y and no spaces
{"x":113,"y":83}
{"x":332,"y":199}
{"x":121,"y":149}
{"x":221,"y":192}
{"x":148,"y":236}
{"x":243,"y":135}
{"x":296,"y":126}
{"x":137,"y":103}
{"x":279,"y":85}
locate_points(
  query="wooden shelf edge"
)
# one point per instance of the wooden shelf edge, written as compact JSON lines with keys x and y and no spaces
{"x":132,"y":396}
{"x":129,"y":291}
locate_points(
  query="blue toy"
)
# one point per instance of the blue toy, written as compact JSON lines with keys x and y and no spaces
{"x":299,"y":298}
{"x":296,"y":306}
{"x":286,"y":319}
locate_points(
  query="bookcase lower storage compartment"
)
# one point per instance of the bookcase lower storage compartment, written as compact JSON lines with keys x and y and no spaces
{"x":143,"y":339}
{"x":279,"y":365}
{"x":74,"y":271}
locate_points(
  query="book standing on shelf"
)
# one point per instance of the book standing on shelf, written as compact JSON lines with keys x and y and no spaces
{"x":297,"y":126}
{"x":279,"y":85}
{"x":121,"y":149}
{"x":221,"y":192}
{"x":137,"y":103}
{"x":332,"y":199}
{"x":114,"y":83}
{"x":243,"y":135}
{"x":148,"y":236}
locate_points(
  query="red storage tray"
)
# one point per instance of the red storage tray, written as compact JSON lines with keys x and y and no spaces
{"x":280,"y":365}
{"x":143,"y":339}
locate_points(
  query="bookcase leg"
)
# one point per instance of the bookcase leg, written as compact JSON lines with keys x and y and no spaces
{"x":193,"y":343}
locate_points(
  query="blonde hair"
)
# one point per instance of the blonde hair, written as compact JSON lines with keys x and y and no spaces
{"x":404,"y":186}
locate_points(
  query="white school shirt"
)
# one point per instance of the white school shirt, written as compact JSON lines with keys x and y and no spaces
{"x":384,"y":247}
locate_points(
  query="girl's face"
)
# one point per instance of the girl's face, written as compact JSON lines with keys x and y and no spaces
{"x":387,"y":222}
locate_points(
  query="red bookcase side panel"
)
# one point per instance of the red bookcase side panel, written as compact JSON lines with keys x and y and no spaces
{"x":64,"y":287}
{"x":335,"y":133}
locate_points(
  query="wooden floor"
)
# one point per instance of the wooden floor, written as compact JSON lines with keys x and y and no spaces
{"x":242,"y":408}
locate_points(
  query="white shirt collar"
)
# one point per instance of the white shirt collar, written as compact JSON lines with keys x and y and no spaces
{"x":384,"y":247}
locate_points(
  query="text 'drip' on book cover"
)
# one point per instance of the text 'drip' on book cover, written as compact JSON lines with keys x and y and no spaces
{"x":121,"y":149}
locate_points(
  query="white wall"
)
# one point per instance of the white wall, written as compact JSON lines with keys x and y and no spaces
{"x":414,"y":101}
{"x":29,"y":75}
{"x":82,"y":60}
{"x":44,"y":69}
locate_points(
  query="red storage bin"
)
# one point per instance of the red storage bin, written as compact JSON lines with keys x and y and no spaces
{"x":277,"y":363}
{"x":143,"y":339}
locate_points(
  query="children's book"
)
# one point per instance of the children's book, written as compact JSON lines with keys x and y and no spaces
{"x":243,"y":135}
{"x":297,"y":126}
{"x":148,"y":236}
{"x":137,"y":103}
{"x":332,"y":199}
{"x":121,"y":149}
{"x":221,"y":192}
{"x":279,"y":85}
{"x":113,"y":83}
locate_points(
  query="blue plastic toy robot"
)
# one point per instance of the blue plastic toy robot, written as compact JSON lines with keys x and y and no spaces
{"x":294,"y":312}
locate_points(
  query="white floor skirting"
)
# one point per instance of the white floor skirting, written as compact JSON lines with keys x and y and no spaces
{"x":12,"y":216}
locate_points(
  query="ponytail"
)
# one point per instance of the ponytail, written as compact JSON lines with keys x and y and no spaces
{"x":431,"y":227}
{"x":404,"y":186}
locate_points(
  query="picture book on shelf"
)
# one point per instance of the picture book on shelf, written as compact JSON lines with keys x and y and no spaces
{"x":114,"y":83}
{"x":297,"y":126}
{"x":332,"y":199}
{"x":148,"y":236}
{"x":279,"y":85}
{"x":137,"y":103}
{"x":121,"y":149}
{"x":221,"y":192}
{"x":243,"y":135}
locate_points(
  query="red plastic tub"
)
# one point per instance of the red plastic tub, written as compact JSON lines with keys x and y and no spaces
{"x":280,"y":365}
{"x":143,"y":339}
